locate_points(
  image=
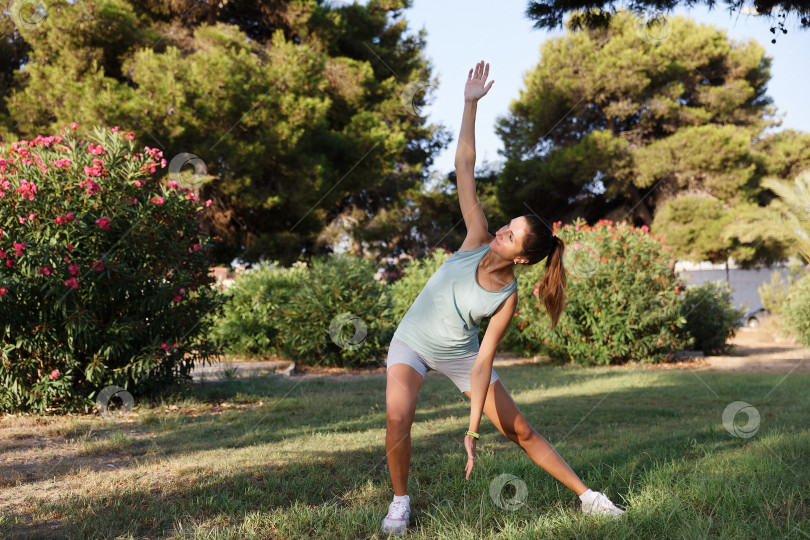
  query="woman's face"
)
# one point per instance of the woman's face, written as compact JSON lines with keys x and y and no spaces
{"x":508,"y":241}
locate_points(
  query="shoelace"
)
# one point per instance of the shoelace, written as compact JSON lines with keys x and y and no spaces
{"x":397,"y":510}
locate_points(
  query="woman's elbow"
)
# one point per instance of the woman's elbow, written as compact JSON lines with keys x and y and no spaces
{"x":464,"y":161}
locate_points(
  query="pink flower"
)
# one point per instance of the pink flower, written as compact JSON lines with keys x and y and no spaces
{"x":27,"y":189}
{"x":103,"y":222}
{"x":116,"y":128}
{"x":19,"y":248}
{"x":164,"y":346}
{"x":156,"y":200}
{"x":72,"y":282}
{"x":3,"y":291}
{"x":208,"y":203}
{"x":576,"y":245}
{"x":70,"y":247}
{"x":138,"y":183}
{"x":90,"y":186}
{"x":73,"y":125}
{"x":73,"y":269}
{"x":666,"y":247}
{"x":64,"y":220}
{"x":536,"y":291}
{"x":645,"y":228}
{"x":576,"y":228}
{"x":47,"y":270}
{"x":54,"y":374}
{"x":98,"y":266}
{"x":172,"y":184}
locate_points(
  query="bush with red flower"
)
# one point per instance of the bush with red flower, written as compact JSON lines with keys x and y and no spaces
{"x":622,"y":299}
{"x":103,"y":272}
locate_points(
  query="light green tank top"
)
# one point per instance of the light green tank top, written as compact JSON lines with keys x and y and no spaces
{"x":444,"y":320}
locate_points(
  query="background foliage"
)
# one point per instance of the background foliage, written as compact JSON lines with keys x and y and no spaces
{"x":622,"y":302}
{"x":338,"y":316}
{"x":104,"y":278}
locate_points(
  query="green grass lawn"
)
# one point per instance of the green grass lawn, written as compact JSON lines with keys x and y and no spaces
{"x":306,"y":459}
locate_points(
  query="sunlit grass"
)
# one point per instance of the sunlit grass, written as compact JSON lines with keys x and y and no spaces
{"x":305,"y":458}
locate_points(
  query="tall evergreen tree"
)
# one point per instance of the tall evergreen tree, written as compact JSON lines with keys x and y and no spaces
{"x":300,"y":111}
{"x":550,"y":13}
{"x":616,"y":121}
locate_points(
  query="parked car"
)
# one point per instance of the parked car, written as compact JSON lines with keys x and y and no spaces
{"x":754,"y":317}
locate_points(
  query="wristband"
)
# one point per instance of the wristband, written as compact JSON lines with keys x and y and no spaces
{"x":474,"y":434}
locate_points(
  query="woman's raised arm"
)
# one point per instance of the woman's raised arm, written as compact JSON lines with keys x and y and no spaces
{"x":474,"y":218}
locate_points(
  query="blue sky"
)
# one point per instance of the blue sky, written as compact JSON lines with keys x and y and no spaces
{"x":459,"y":34}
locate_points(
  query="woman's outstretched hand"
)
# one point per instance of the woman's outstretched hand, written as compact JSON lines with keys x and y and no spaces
{"x":475,"y":89}
{"x":469,"y":444}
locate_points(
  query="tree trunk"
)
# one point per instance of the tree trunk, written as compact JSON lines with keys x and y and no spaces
{"x":639,"y":205}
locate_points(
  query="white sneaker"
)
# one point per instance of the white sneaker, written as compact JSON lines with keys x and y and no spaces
{"x":396,"y":522}
{"x":600,"y":504}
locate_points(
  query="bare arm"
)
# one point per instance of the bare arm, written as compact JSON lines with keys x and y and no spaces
{"x":482,"y":369}
{"x":474,"y":218}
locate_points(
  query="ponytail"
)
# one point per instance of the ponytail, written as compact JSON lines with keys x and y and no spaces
{"x":553,"y":285}
{"x":540,"y":243}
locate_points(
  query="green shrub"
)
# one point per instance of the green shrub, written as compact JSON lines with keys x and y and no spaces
{"x":415,"y":274}
{"x":249,"y":323}
{"x":104,"y":276}
{"x":710,"y":316}
{"x":622,"y":300}
{"x":796,"y":310}
{"x":338,"y":316}
{"x":773,"y":294}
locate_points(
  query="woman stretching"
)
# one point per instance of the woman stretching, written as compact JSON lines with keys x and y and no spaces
{"x":440,"y":331}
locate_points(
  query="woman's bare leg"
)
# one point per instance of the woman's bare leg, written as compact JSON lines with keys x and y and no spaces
{"x":502,"y":411}
{"x":402,"y":387}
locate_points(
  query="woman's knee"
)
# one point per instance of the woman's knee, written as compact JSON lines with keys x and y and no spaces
{"x":399,"y":422}
{"x":404,"y":383}
{"x":523,"y":430}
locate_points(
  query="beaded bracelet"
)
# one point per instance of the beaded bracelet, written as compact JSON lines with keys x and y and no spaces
{"x":474,"y":434}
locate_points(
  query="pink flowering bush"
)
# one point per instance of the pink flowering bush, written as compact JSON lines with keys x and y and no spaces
{"x":103,"y":272}
{"x":622,"y":300}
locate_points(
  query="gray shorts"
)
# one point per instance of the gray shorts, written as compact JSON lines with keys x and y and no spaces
{"x":457,"y":370}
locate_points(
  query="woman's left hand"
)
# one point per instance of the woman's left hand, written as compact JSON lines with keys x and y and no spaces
{"x":469,"y":444}
{"x":475,"y":89}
